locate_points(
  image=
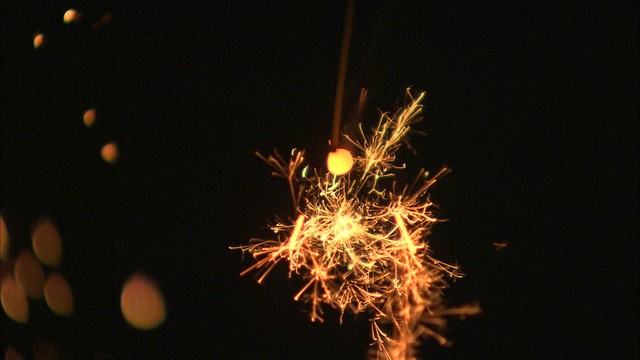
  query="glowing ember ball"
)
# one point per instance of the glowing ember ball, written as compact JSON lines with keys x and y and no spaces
{"x":339,"y":162}
{"x":142,"y":303}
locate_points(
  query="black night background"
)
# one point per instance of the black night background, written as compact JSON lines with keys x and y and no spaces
{"x":534,"y":106}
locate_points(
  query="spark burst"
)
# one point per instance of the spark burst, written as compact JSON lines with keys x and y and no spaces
{"x":360,"y":245}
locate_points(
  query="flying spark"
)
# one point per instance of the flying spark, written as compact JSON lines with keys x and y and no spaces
{"x":359,"y":243}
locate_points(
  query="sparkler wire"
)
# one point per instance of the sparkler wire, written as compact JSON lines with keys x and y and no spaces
{"x":342,"y":74}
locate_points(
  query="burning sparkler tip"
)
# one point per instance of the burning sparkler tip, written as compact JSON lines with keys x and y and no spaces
{"x":358,"y":243}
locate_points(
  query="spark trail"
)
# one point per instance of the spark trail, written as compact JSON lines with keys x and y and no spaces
{"x":360,"y":245}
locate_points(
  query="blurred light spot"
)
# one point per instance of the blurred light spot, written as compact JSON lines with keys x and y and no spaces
{"x":89,"y":117}
{"x":109,"y":152}
{"x":14,"y":302}
{"x":339,"y":162}
{"x":70,"y":16}
{"x":46,"y":243}
{"x":12,"y":354}
{"x":58,"y":295}
{"x":4,"y":240}
{"x":500,"y":245}
{"x":105,"y":20}
{"x":6,"y":267}
{"x":142,"y":302}
{"x":42,"y":349}
{"x":29,"y":275}
{"x":38,"y":40}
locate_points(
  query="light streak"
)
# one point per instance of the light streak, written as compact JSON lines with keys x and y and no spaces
{"x":360,"y":244}
{"x":293,"y":241}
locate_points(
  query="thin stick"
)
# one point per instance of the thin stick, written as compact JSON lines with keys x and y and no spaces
{"x":342,"y":74}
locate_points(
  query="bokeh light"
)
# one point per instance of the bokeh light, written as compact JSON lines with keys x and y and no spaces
{"x":4,"y":240}
{"x":109,"y":152}
{"x":89,"y":117}
{"x":339,"y":162}
{"x":38,"y":40}
{"x":12,"y":354}
{"x":29,"y":275}
{"x":70,"y":16}
{"x":46,"y":243}
{"x":14,"y":302}
{"x":105,"y":20}
{"x":58,"y":296}
{"x":142,"y":303}
{"x":43,"y":349}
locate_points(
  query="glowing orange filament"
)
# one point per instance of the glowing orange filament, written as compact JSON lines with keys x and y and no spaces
{"x":405,"y":233}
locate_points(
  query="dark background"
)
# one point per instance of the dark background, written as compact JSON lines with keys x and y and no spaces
{"x":533,"y":106}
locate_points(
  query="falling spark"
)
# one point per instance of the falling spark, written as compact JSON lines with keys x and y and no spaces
{"x":359,"y":243}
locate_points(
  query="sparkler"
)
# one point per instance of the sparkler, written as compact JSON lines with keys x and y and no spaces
{"x":359,"y":242}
